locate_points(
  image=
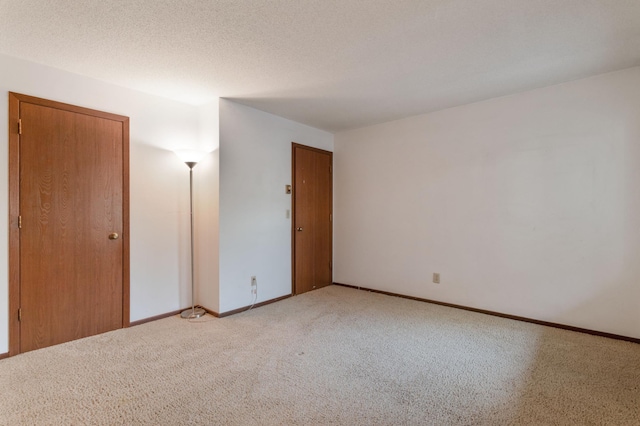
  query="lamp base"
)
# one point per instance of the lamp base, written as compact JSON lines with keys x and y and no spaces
{"x":192,"y":313}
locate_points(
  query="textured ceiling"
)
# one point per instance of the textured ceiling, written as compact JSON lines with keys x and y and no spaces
{"x":332,"y":64}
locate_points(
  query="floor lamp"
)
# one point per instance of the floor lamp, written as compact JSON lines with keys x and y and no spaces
{"x":191,"y":158}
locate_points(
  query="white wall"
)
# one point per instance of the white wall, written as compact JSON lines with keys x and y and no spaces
{"x":255,"y":233}
{"x":159,"y":181}
{"x":527,"y":205}
{"x":206,"y":176}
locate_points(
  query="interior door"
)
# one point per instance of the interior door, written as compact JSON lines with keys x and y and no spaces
{"x":72,"y":221}
{"x":312,"y":218}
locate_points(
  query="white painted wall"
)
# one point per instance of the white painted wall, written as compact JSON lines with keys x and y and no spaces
{"x":255,"y":233}
{"x":527,"y":205}
{"x":159,"y":181}
{"x":206,"y":203}
{"x":206,"y":176}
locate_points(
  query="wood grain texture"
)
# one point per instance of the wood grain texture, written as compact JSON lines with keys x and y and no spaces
{"x":73,"y":192}
{"x":126,"y":240}
{"x":14,"y":232}
{"x":312,"y":209}
{"x":68,"y":107}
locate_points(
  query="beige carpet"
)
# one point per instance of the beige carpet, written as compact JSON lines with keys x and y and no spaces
{"x":333,"y":356}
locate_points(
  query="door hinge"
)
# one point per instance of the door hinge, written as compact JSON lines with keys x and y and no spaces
{"x":330,"y":169}
{"x":330,"y":265}
{"x":19,"y":126}
{"x":19,"y":222}
{"x":19,"y":314}
{"x":330,"y":217}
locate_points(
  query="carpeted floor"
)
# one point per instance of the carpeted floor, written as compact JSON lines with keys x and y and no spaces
{"x":332,"y":356}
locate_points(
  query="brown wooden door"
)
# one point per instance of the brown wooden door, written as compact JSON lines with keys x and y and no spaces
{"x":312,"y":211}
{"x":72,"y":223}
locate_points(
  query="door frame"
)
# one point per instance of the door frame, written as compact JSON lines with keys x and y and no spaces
{"x":295,"y":145}
{"x":14,"y":207}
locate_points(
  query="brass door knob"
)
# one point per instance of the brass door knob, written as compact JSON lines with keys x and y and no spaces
{"x":113,"y":236}
{"x":299,"y":229}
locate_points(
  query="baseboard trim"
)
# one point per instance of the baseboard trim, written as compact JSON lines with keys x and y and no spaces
{"x":502,"y":315}
{"x":257,"y":305}
{"x":209,"y":311}
{"x":155,"y":318}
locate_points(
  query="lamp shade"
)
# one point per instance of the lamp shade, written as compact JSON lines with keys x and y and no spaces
{"x":190,"y":155}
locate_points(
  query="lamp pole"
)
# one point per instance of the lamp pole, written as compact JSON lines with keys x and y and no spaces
{"x":193,"y":312}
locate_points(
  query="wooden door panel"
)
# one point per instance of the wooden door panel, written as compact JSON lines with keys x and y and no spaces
{"x":71,"y":199}
{"x":312,"y":213}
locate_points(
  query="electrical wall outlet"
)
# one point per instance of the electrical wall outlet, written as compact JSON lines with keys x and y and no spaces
{"x":254,"y":285}
{"x":436,"y":278}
